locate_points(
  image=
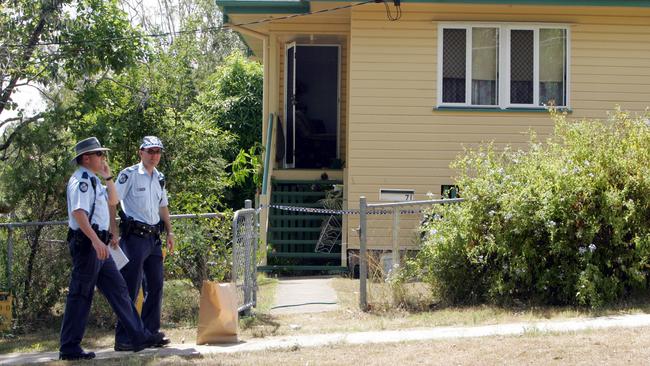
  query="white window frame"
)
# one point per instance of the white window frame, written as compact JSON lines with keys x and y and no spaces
{"x":503,"y":77}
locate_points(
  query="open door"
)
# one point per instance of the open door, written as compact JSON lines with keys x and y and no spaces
{"x":312,"y":106}
{"x":290,"y":106}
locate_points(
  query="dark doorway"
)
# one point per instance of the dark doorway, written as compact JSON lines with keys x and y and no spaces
{"x":312,"y":87}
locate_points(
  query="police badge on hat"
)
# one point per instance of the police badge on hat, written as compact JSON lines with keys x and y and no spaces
{"x":83,"y":186}
{"x":123,"y":178}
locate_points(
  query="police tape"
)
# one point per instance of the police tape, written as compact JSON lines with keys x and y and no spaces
{"x":338,"y":212}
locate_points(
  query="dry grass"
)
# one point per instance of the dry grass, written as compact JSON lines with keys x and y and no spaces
{"x":350,"y":319}
{"x":527,"y":349}
{"x":48,"y":339}
{"x":605,"y":347}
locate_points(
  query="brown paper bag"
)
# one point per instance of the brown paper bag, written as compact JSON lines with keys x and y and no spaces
{"x":218,"y":316}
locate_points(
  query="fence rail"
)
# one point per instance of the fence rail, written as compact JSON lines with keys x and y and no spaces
{"x":244,"y":249}
{"x":396,"y":209}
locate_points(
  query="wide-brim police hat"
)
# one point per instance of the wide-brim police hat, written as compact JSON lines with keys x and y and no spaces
{"x":90,"y":144}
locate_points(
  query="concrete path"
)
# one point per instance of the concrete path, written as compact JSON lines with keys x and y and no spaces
{"x":296,"y":295}
{"x":388,"y":336}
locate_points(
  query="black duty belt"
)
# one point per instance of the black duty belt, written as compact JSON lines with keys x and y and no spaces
{"x":144,"y":230}
{"x":104,"y":235}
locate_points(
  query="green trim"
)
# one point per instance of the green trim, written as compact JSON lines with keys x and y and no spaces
{"x":302,"y":181}
{"x":296,"y":9}
{"x":303,"y":194}
{"x":615,"y":3}
{"x":302,"y":6}
{"x":292,"y":241}
{"x":304,"y":255}
{"x":262,"y":7}
{"x":267,"y":153}
{"x":294,"y":230}
{"x":507,"y":110}
{"x":301,"y":268}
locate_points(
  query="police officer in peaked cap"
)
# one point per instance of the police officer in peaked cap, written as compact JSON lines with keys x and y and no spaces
{"x":141,"y":189}
{"x":88,"y":235}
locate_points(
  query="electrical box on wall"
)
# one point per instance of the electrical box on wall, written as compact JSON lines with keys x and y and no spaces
{"x":396,"y":195}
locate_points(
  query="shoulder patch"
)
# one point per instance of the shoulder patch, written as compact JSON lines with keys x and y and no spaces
{"x":123,"y":178}
{"x":83,"y":186}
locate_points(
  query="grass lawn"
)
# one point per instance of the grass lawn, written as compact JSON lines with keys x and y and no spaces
{"x":610,"y":347}
{"x":348,"y":318}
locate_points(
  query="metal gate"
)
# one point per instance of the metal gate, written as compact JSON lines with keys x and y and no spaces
{"x":245,"y":234}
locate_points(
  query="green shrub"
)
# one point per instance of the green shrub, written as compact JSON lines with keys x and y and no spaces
{"x":203,"y":250}
{"x":181,"y":303}
{"x":565,"y":222}
{"x":180,"y":306}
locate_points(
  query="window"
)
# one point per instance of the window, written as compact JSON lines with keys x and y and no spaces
{"x":449,"y":191}
{"x":502,"y":65}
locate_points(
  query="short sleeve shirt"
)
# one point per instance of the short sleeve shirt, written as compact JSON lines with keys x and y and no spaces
{"x":81,"y":193}
{"x":142,"y":195}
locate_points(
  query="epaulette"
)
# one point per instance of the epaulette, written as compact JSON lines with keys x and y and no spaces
{"x":84,"y":175}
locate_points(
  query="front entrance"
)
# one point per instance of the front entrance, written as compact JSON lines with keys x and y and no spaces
{"x":312,"y":106}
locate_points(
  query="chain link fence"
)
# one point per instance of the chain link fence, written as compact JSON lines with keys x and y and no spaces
{"x":34,"y":259}
{"x":395,"y":228}
{"x":245,"y":234}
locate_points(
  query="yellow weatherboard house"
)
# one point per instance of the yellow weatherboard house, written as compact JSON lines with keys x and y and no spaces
{"x":376,"y":98}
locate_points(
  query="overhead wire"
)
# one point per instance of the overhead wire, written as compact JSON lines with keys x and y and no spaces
{"x":193,"y":31}
{"x":398,"y":10}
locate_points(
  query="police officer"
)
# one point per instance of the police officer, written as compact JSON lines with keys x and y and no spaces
{"x":141,"y":189}
{"x":88,"y":220}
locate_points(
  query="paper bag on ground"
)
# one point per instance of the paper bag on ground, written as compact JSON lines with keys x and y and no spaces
{"x":218,"y":316}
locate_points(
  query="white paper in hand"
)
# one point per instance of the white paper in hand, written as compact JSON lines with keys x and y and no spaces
{"x":119,"y":257}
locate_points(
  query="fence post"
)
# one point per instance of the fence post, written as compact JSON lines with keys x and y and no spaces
{"x":247,"y":255}
{"x":396,"y":263}
{"x":256,"y":241}
{"x":363,"y":255}
{"x":10,"y":257}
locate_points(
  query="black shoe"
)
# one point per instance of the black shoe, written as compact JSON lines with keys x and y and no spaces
{"x":123,"y":347}
{"x":163,"y":342}
{"x":76,"y":356}
{"x":152,"y":341}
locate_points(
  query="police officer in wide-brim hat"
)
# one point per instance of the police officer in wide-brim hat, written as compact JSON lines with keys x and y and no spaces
{"x":88,"y":145}
{"x":141,"y":189}
{"x":88,"y":221}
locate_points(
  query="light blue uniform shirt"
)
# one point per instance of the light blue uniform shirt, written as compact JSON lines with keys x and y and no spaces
{"x":80,"y":195}
{"x":141,"y":194}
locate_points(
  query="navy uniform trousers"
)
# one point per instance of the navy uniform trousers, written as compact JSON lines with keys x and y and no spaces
{"x":145,"y":258}
{"x":88,"y":271}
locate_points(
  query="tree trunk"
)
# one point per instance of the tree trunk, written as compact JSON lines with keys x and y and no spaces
{"x":34,"y":246}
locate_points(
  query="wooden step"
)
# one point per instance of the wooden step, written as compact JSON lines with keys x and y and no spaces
{"x":331,"y":269}
{"x":304,"y":255}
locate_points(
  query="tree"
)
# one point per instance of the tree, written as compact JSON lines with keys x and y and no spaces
{"x":118,"y":90}
{"x":33,"y":183}
{"x":231,"y":100}
{"x":59,"y":42}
